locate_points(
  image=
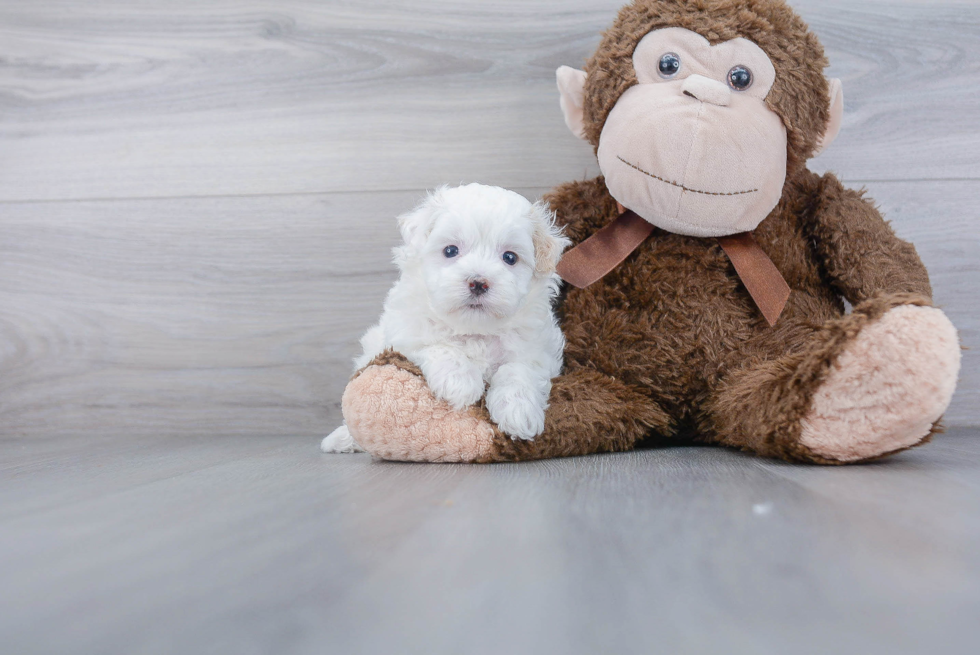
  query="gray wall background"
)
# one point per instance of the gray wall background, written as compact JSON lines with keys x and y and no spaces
{"x":197,"y":199}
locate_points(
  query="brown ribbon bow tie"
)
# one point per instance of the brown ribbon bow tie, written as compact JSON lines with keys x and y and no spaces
{"x":590,"y":260}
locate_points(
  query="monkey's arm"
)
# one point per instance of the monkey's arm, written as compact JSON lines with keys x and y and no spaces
{"x":582,"y":207}
{"x":861,"y":254}
{"x":391,"y":412}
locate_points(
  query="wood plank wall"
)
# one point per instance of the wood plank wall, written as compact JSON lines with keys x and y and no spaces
{"x":197,"y":199}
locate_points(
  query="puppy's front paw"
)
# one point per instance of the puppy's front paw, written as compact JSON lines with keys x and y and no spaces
{"x":340,"y":441}
{"x":516,"y":411}
{"x":459,"y":387}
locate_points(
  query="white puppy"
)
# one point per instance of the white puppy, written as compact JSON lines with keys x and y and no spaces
{"x":472,"y":306}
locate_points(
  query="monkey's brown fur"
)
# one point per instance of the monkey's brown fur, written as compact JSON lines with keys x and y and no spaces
{"x":670,"y":344}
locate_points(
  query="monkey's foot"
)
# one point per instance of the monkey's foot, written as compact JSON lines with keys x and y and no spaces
{"x":887,"y":389}
{"x":392,"y":414}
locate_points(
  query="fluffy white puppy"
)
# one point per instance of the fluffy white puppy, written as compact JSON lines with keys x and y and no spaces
{"x":472,"y":306}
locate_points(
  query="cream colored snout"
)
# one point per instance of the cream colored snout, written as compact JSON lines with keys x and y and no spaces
{"x":707,"y":90}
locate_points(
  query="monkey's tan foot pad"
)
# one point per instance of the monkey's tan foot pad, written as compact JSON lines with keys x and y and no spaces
{"x":888,"y":387}
{"x":391,"y":413}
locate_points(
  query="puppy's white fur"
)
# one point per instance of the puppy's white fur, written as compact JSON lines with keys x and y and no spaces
{"x":506,"y":337}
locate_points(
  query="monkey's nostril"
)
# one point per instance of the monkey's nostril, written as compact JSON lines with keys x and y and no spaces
{"x":707,"y":90}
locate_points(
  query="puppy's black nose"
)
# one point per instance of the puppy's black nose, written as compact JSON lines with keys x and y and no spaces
{"x":478,"y":287}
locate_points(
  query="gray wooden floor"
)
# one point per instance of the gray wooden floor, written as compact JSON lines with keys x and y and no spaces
{"x":263,"y":545}
{"x":197,"y":204}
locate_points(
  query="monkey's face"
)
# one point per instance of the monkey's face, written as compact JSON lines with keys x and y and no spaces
{"x":693,"y":148}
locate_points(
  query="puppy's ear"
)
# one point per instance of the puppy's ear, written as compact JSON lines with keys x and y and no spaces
{"x":416,"y":225}
{"x":549,"y":242}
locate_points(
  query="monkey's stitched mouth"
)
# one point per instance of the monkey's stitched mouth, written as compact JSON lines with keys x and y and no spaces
{"x":681,"y":186}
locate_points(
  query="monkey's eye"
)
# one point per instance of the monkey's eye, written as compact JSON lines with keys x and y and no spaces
{"x":740,"y":78}
{"x":669,"y":65}
{"x":450,"y":251}
{"x":509,"y":258}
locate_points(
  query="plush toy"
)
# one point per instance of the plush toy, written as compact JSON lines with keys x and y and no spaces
{"x":706,"y":293}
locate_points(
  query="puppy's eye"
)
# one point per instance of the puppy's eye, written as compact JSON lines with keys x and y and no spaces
{"x":740,"y":78}
{"x":450,"y":251}
{"x":509,"y":258}
{"x":669,"y":65}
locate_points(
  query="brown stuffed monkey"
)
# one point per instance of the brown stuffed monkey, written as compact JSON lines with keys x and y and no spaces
{"x":722,"y":318}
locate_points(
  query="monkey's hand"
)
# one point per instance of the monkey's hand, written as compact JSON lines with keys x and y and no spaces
{"x":392,"y":413}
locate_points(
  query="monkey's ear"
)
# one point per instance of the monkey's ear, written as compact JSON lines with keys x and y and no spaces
{"x":549,"y":242}
{"x":571,"y":85}
{"x":836,"y":116}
